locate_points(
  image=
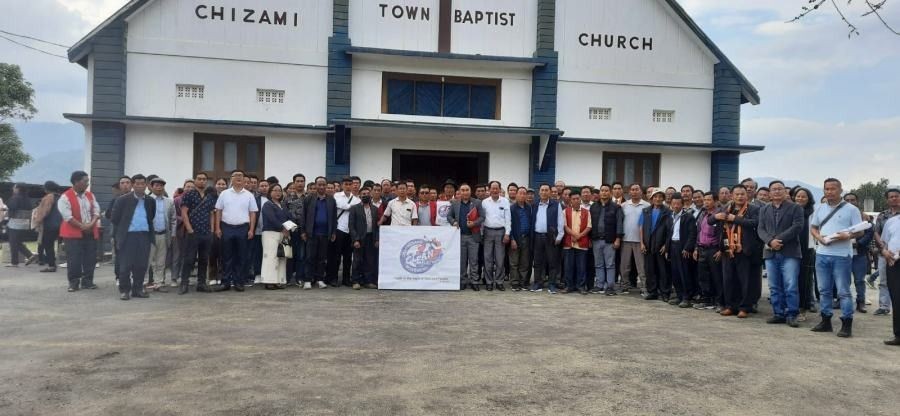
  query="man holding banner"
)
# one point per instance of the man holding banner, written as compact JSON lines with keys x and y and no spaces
{"x":467,"y":214}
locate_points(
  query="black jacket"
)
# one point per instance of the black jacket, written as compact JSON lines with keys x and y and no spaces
{"x":687,"y":230}
{"x":357,"y":222}
{"x":612,"y":220}
{"x":309,"y":212}
{"x":660,"y":236}
{"x":516,"y":233}
{"x":752,"y":245}
{"x":123,"y":211}
{"x":787,"y":229}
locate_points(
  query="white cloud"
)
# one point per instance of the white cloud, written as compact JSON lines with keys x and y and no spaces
{"x":93,"y":11}
{"x":810,"y":151}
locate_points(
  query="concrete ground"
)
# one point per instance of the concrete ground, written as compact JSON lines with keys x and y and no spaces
{"x":343,"y":352}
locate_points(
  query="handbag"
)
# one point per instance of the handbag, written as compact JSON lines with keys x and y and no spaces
{"x":285,"y":250}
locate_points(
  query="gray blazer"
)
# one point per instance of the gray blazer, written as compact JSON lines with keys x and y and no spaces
{"x":453,"y":216}
{"x":787,"y":229}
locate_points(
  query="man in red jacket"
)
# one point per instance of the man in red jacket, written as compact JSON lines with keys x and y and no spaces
{"x":80,"y":231}
{"x":576,"y":244}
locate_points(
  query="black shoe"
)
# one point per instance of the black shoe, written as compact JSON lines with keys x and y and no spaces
{"x":792,"y":322}
{"x":501,"y":287}
{"x":489,"y":287}
{"x":124,"y":296}
{"x":651,"y":297}
{"x":824,"y":326}
{"x":583,"y":291}
{"x":72,"y":289}
{"x":223,"y":289}
{"x":142,"y":295}
{"x":893,"y":342}
{"x":474,"y":287}
{"x":203,"y":288}
{"x":776,"y":320}
{"x":861,"y":307}
{"x":182,"y":289}
{"x":90,"y":286}
{"x":239,"y":288}
{"x":846,"y":328}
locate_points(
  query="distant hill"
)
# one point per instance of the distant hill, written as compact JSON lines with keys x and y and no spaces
{"x":57,"y":149}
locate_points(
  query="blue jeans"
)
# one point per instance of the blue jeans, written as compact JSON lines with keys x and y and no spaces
{"x":573,"y":260}
{"x":831,"y":271}
{"x":784,"y":273}
{"x":605,"y":265}
{"x":860,"y":266}
{"x":234,"y":252}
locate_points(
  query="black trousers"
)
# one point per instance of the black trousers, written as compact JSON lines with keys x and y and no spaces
{"x":16,"y":245}
{"x":893,"y":283}
{"x":546,"y":255}
{"x":365,"y":261}
{"x":316,"y":257}
{"x":709,"y":276}
{"x":343,"y":255}
{"x":135,"y":260}
{"x":82,"y":258}
{"x":659,"y":281}
{"x":48,"y":243}
{"x":195,"y":247}
{"x":737,"y":276}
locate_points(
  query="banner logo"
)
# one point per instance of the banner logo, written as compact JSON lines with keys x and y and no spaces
{"x":420,"y":255}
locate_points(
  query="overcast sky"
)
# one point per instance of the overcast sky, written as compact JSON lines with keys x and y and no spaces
{"x":828,"y":102}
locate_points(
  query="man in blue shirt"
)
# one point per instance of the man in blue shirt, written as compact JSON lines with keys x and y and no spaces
{"x":834,"y":255}
{"x":520,"y":241}
{"x":133,"y":216}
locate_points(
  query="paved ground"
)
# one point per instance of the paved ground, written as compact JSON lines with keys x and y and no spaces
{"x":338,"y":351}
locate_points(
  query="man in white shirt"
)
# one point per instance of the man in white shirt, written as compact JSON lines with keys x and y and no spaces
{"x":344,"y":250}
{"x":632,"y":210}
{"x":401,"y":210}
{"x":890,"y":251}
{"x":497,"y":226}
{"x":235,"y":224}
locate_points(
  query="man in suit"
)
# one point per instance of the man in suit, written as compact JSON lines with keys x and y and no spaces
{"x":320,"y":214}
{"x":363,"y":227}
{"x":655,"y":227}
{"x":162,"y":231}
{"x":548,"y":224}
{"x":682,"y":238}
{"x":469,"y":225}
{"x":742,"y":248}
{"x":520,"y":241}
{"x":133,"y":215}
{"x":780,"y":225}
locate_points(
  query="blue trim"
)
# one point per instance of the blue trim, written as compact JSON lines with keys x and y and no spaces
{"x":475,"y":128}
{"x":438,"y":55}
{"x":655,"y":143}
{"x":724,"y":169}
{"x":544,"y":94}
{"x":230,"y":123}
{"x":542,"y":170}
{"x":340,"y":85}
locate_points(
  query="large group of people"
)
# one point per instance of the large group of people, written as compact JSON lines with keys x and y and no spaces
{"x":706,"y":250}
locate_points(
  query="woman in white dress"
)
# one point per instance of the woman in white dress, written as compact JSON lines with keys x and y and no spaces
{"x":274,"y":268}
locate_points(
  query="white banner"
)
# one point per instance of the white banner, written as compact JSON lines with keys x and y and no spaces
{"x":418,"y":258}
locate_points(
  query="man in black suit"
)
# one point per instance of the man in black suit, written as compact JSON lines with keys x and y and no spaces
{"x":320,"y":214}
{"x":469,"y":234}
{"x":780,"y":225}
{"x":363,"y":223}
{"x":133,"y":215}
{"x":742,"y":248}
{"x":681,"y":247}
{"x":656,"y":226}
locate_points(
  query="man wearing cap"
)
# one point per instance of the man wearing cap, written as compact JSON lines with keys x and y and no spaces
{"x":655,"y":225}
{"x":449,"y":190}
{"x":162,"y":232}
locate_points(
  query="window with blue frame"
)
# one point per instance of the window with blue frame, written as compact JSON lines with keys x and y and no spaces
{"x":439,"y":96}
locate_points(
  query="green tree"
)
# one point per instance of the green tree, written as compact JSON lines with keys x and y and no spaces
{"x":16,"y":103}
{"x":874,"y":191}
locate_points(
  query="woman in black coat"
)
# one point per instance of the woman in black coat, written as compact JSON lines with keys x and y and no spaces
{"x":804,"y":198}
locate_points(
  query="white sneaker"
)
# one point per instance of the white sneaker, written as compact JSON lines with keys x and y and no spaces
{"x":321,"y":284}
{"x":307,"y":285}
{"x":257,"y":280}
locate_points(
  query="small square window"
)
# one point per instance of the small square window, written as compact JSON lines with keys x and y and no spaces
{"x":270,"y":96}
{"x":663,"y":116}
{"x":189,"y":91}
{"x":599,"y":113}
